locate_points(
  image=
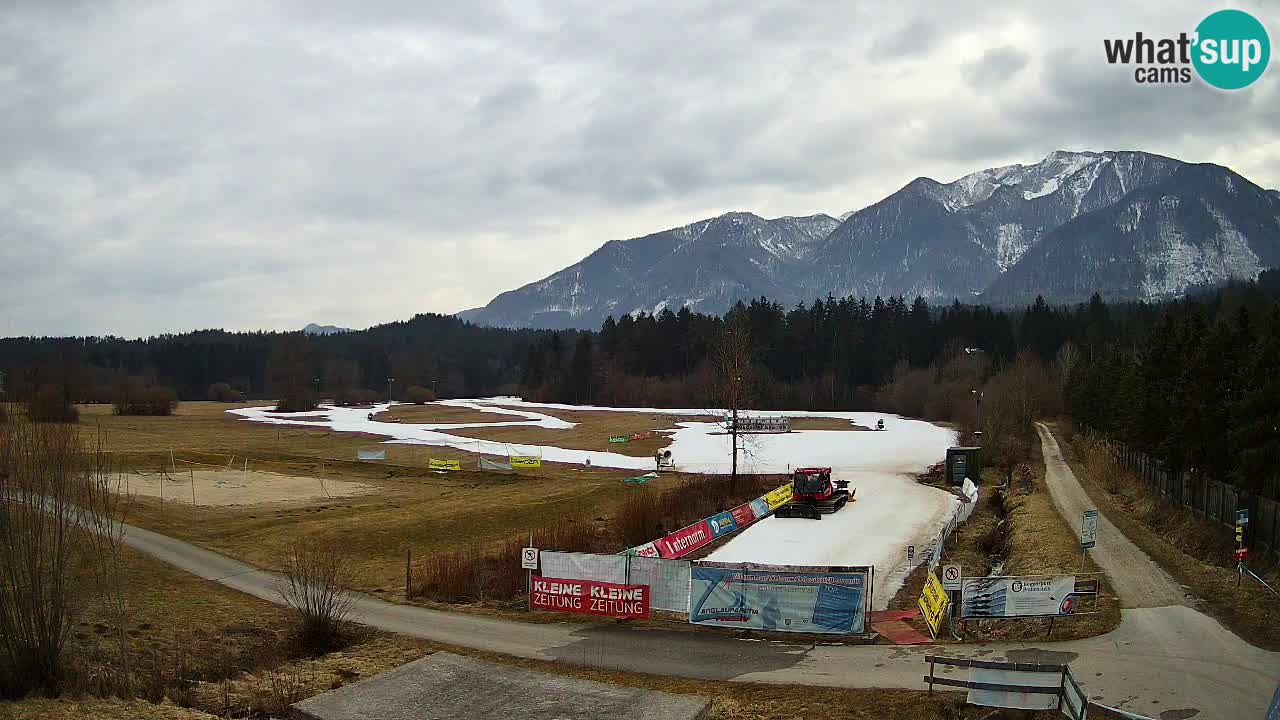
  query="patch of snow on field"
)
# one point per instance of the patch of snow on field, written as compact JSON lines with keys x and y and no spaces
{"x":890,"y":510}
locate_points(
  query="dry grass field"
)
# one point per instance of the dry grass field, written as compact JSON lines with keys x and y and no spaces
{"x":591,"y":432}
{"x":244,"y":670}
{"x":401,"y":505}
{"x":1018,"y":529}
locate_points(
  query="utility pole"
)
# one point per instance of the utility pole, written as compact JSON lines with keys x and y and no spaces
{"x":977,"y":394}
{"x":389,"y":381}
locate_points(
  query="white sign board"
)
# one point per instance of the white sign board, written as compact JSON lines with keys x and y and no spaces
{"x":1089,"y":529}
{"x":1014,"y":699}
{"x":529,"y":558}
{"x":951,"y":575}
{"x":1005,"y":597}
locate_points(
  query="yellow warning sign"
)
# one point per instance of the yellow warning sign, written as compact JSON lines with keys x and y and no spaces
{"x":933,"y":603}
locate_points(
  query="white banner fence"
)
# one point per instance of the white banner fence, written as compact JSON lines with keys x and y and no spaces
{"x":668,"y":580}
{"x":963,"y":512}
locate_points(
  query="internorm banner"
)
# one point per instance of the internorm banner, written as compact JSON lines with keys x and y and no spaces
{"x":525,"y":461}
{"x":435,"y":464}
{"x":685,"y":540}
{"x":806,"y":600}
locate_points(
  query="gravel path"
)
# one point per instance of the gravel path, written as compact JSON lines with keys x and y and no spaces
{"x":1136,"y":578}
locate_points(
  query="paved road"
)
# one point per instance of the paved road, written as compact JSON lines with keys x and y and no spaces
{"x":1160,"y":660}
{"x":1139,"y":581}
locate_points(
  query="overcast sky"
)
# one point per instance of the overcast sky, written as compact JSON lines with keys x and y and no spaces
{"x":175,"y":165}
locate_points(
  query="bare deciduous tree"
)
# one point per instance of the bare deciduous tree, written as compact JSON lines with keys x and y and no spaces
{"x":314,"y":584}
{"x":58,"y":514}
{"x":732,"y":354}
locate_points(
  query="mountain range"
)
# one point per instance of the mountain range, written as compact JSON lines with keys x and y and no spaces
{"x":1129,"y":225}
{"x":314,"y":329}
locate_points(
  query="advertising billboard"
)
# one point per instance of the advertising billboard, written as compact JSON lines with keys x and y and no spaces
{"x":1008,"y":597}
{"x":589,"y":597}
{"x":685,"y":540}
{"x":829,"y":600}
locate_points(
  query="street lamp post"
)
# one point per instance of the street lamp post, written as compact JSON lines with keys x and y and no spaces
{"x":977,"y":394}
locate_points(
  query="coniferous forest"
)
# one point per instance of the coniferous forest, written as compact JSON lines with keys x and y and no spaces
{"x":1193,"y":383}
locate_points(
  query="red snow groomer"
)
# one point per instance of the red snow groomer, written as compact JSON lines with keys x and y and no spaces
{"x":814,"y":494}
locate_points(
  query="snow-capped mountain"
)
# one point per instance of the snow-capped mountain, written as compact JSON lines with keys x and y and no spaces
{"x":1126,"y":224}
{"x":1202,"y":225}
{"x":705,"y":265}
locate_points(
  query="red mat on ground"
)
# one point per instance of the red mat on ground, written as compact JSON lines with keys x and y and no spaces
{"x":900,"y":633}
{"x":887,"y":615}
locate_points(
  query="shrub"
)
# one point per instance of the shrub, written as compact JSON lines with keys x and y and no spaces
{"x":355,"y":396}
{"x":418,"y":395}
{"x":223,"y":392}
{"x":50,"y":404}
{"x":44,"y":550}
{"x":297,"y":400}
{"x":315,"y":585}
{"x":133,"y":398}
{"x":640,"y":517}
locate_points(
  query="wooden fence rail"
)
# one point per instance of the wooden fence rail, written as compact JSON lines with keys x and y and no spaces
{"x":1212,"y":500}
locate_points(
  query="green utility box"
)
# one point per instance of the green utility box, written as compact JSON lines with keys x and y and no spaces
{"x":963,"y":462}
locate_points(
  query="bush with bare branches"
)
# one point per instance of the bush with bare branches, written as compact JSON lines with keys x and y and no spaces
{"x":418,"y":395}
{"x":223,"y":392}
{"x":315,"y":584}
{"x":347,"y":397}
{"x":133,"y":397}
{"x":51,"y":403}
{"x":58,"y":513}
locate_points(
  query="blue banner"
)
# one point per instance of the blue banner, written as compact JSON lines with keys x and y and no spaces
{"x":722,"y":524}
{"x":760,"y":508}
{"x":783,"y":599}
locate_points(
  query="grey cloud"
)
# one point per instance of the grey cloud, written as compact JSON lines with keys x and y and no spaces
{"x":253,"y":164}
{"x":913,"y":39}
{"x":995,"y":67}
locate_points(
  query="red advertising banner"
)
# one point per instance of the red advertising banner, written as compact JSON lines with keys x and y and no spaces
{"x":590,"y":597}
{"x":685,"y":540}
{"x":648,"y":550}
{"x":743,"y":515}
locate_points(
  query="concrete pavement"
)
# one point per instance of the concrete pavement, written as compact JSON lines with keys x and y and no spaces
{"x":1160,"y":659}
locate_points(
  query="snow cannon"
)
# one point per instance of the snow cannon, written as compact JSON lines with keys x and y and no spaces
{"x":814,"y":494}
{"x":662,"y":459}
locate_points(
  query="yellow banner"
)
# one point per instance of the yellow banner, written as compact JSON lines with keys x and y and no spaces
{"x":435,"y":464}
{"x":778,"y":497}
{"x":523,"y":461}
{"x":933,"y":603}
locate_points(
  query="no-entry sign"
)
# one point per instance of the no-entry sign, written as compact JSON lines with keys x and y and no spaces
{"x":589,"y":597}
{"x":529,"y":558}
{"x":951,"y":575}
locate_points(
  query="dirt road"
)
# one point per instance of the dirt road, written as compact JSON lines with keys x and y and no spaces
{"x":1135,"y":577}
